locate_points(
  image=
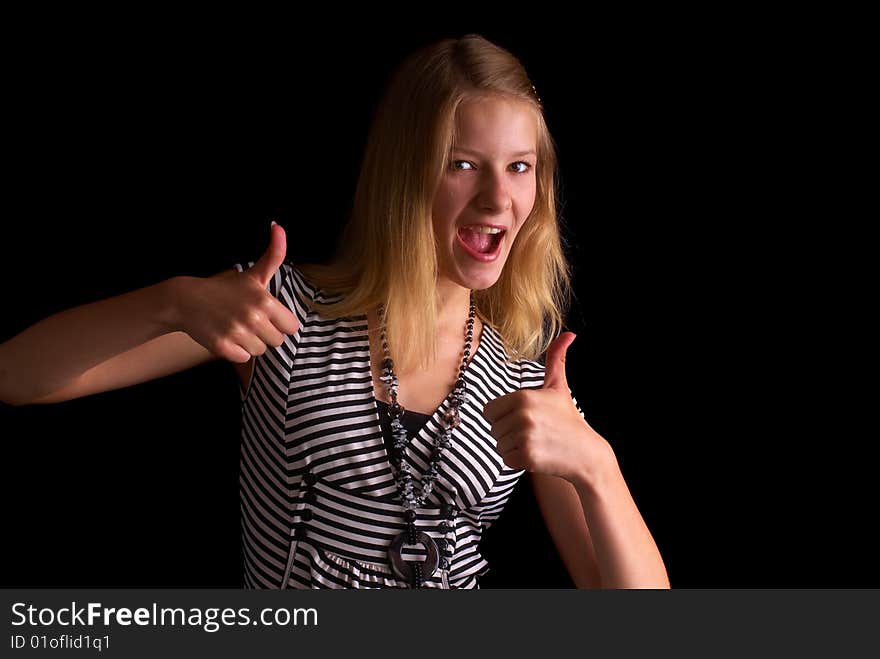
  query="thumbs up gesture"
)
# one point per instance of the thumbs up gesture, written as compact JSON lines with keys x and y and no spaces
{"x":541,"y":430}
{"x":232,"y":313}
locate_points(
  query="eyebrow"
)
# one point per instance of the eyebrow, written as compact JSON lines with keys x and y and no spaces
{"x":519,"y":154}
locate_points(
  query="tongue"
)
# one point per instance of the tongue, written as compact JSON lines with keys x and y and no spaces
{"x":479,"y":242}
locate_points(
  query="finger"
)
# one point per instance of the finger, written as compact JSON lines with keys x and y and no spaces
{"x":232,"y":352}
{"x":269,"y":335}
{"x":267,"y":265}
{"x":497,"y":408}
{"x":506,"y":426}
{"x":282,"y":318}
{"x":253,"y":343}
{"x":507,"y":443}
{"x":554,"y":372}
{"x":515,"y":459}
{"x":504,"y":446}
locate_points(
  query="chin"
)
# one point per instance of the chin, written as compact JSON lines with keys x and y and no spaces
{"x":480,"y":281}
{"x":473,"y":275}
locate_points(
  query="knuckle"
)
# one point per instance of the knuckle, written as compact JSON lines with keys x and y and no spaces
{"x":232,"y":332}
{"x":217,"y":345}
{"x":253,"y":316}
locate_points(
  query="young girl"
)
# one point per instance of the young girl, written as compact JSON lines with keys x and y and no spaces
{"x":392,"y":399}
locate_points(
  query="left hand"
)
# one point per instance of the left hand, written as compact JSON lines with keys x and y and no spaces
{"x":541,"y":430}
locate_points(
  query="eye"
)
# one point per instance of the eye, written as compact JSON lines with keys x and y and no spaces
{"x":521,"y":166}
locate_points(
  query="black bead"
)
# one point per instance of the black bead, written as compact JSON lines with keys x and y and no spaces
{"x":443,"y":527}
{"x":306,"y":514}
{"x":410,"y":515}
{"x":311,"y":497}
{"x":310,"y":479}
{"x":299,"y":532}
{"x":441,"y":544}
{"x":446,"y":510}
{"x":444,"y":563}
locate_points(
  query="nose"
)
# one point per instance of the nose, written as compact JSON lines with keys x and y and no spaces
{"x":494,"y":196}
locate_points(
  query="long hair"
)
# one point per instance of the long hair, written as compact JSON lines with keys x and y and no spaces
{"x":387,"y":252}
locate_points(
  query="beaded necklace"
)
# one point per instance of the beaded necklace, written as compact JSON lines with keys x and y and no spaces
{"x":415,"y":573}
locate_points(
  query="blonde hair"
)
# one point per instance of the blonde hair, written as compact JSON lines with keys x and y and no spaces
{"x":387,"y":252}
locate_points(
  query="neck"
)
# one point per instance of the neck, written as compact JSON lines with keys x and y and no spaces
{"x":453,"y":305}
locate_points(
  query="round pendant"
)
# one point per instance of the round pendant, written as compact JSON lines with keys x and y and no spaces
{"x":403,"y":569}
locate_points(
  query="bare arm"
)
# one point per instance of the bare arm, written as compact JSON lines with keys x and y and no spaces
{"x":63,"y":350}
{"x":625,"y":551}
{"x":148,"y":333}
{"x":167,"y":354}
{"x":564,"y":516}
{"x":586,"y":503}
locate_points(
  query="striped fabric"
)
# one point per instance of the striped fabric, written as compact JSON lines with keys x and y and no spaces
{"x":319,"y":502}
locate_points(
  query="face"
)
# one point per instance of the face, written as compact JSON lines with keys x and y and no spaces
{"x":490,"y":182}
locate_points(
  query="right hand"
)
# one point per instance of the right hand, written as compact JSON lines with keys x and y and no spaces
{"x":232,"y":313}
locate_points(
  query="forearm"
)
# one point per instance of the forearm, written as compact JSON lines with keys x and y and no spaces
{"x":626,"y":553}
{"x":56,"y":350}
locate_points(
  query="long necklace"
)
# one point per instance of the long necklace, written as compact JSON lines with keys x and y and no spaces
{"x":415,"y":573}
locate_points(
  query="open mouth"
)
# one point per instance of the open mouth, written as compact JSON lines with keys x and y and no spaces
{"x":481,"y":246}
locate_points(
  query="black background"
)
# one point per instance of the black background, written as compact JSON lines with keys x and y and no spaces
{"x":714,"y":306}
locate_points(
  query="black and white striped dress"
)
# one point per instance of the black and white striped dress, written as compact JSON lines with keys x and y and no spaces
{"x":319,"y":503}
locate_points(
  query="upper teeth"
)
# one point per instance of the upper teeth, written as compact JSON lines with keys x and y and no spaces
{"x":483,"y":229}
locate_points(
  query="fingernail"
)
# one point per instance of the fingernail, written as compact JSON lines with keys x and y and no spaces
{"x":273,"y":224}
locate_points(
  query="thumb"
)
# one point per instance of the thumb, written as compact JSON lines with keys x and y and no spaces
{"x":554,"y":372}
{"x":266,"y":267}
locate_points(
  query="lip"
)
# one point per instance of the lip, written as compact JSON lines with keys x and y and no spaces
{"x":485,"y":258}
